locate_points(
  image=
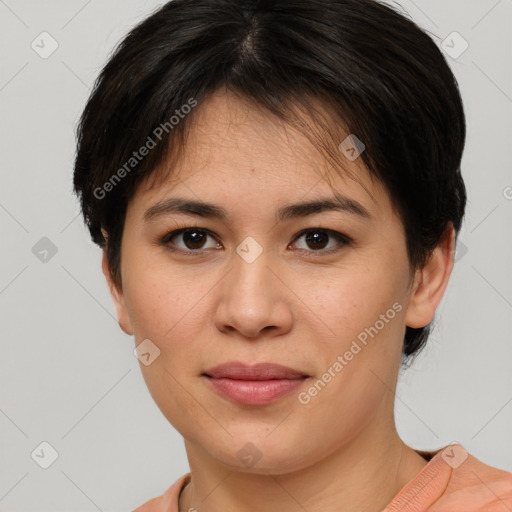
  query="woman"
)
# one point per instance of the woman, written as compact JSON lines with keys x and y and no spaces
{"x":276,"y":188}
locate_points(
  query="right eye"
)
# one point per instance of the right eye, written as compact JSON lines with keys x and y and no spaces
{"x":193,"y":240}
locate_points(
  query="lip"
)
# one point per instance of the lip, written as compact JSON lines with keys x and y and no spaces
{"x":261,"y":371}
{"x":257,"y":384}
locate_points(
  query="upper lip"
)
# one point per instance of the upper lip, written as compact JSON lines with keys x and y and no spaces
{"x":260,"y":371}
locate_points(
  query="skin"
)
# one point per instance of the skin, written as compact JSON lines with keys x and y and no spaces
{"x":293,"y":305}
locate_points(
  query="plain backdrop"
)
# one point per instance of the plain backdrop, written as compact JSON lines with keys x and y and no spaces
{"x":68,"y":374}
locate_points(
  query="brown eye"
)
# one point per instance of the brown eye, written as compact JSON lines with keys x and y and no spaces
{"x":318,"y":239}
{"x":192,"y":239}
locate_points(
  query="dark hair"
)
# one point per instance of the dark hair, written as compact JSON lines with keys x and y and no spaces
{"x":372,"y":71}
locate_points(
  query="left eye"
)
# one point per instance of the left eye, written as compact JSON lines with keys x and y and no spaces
{"x":318,"y":237}
{"x":194,"y":239}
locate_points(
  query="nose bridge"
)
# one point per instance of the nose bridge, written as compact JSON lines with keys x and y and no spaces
{"x":252,"y":299}
{"x":250,"y":273}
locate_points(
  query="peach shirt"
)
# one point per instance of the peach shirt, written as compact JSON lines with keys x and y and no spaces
{"x":452,"y":481}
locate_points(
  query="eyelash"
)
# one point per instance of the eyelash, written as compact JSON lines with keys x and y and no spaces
{"x":340,"y":237}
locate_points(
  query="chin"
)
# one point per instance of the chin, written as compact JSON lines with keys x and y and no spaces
{"x":262,"y":455}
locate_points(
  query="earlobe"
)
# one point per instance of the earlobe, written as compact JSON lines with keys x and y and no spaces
{"x":117,"y":294}
{"x":431,"y":282}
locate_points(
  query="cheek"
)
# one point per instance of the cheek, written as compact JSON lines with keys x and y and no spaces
{"x":364,"y":309}
{"x":165,"y":309}
{"x":359,"y":364}
{"x":173,"y":310}
{"x":159,"y":299}
{"x":349,"y":300}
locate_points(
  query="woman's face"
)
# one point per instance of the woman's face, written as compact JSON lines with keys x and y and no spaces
{"x":252,"y":289}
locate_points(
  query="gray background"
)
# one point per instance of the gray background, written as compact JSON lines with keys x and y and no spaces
{"x":68,"y":373}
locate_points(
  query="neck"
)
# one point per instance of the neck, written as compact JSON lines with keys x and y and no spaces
{"x":363,"y":475}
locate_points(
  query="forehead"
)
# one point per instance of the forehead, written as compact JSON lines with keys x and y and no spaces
{"x":235,"y":149}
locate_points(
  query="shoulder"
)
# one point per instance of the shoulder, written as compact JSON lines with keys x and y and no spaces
{"x":168,"y":501}
{"x":455,"y":481}
{"x":476,"y":487}
{"x":153,"y":505}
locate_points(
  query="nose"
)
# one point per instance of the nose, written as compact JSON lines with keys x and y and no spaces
{"x":255,"y":299}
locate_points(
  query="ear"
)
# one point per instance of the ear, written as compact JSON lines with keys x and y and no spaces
{"x":431,"y":281}
{"x":118,"y":297}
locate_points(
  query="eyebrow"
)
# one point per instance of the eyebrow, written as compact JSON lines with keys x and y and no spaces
{"x":286,"y":212}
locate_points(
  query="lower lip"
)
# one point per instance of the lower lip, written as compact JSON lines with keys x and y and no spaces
{"x":254,"y":392}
